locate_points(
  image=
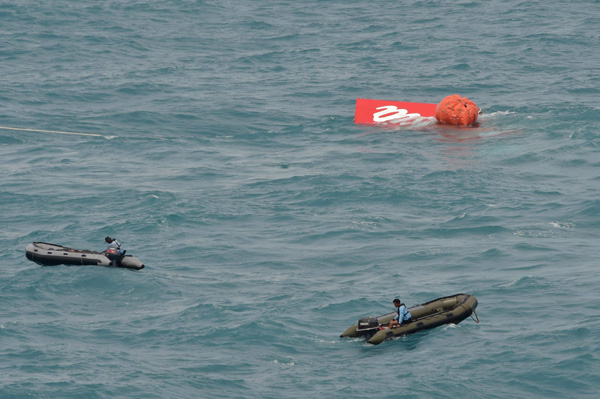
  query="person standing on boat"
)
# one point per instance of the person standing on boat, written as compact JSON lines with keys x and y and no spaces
{"x":403,"y":315}
{"x":114,"y":246}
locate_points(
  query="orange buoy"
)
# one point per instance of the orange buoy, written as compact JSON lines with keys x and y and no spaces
{"x":456,"y":110}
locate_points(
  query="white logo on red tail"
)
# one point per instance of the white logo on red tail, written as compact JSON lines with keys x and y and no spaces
{"x":391,"y":112}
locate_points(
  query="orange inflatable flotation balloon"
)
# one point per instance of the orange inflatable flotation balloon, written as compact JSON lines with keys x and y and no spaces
{"x":456,"y":110}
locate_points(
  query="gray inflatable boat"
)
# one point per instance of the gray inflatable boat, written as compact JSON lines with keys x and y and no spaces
{"x":46,"y":254}
{"x":446,"y":310}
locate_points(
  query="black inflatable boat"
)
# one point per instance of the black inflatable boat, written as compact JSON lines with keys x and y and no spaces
{"x":450,"y":309}
{"x":46,"y":254}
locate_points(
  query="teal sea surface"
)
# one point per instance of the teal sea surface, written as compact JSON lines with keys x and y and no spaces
{"x":220,"y":148}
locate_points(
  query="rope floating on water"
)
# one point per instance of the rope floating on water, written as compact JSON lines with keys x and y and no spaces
{"x":49,"y":131}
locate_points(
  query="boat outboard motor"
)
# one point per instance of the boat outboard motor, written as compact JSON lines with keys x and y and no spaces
{"x":368,"y":326}
{"x":114,"y":254}
{"x":367,"y":323}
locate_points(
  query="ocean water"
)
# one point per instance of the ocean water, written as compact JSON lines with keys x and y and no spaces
{"x":224,"y":155}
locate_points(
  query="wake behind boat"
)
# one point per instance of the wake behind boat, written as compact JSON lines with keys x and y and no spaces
{"x":450,"y":309}
{"x":47,"y":254}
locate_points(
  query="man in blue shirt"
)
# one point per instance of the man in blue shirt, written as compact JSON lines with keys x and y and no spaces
{"x":403,"y":315}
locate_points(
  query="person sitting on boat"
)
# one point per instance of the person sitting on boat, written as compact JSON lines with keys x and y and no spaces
{"x":403,"y":315}
{"x":114,"y":246}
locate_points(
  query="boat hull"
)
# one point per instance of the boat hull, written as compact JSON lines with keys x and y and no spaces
{"x":52,"y":254}
{"x":452,"y":309}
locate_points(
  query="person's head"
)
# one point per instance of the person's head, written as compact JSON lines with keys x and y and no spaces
{"x":397,"y":302}
{"x":108,"y":239}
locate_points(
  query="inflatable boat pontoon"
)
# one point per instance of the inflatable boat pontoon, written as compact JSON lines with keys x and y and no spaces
{"x":51,"y":254}
{"x":450,"y":309}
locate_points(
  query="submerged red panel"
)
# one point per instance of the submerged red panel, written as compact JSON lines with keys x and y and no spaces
{"x":380,"y":111}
